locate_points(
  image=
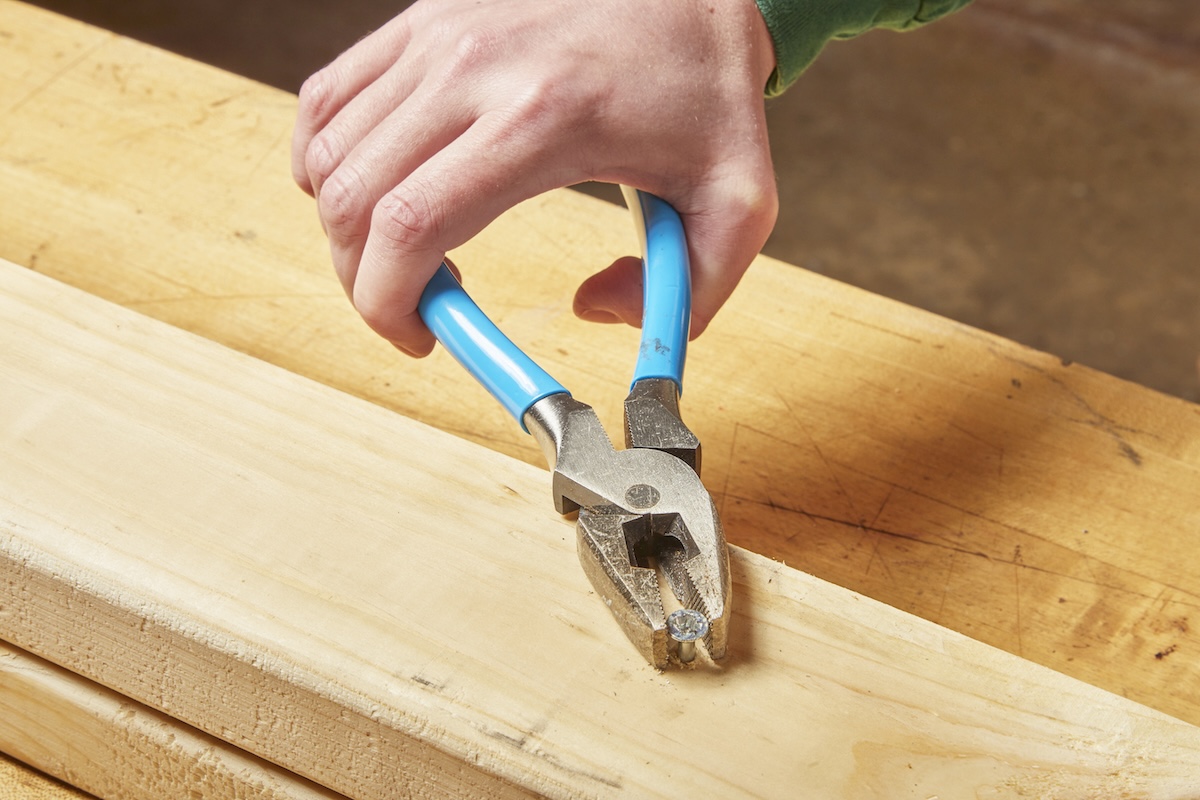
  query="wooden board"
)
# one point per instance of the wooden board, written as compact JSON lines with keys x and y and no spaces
{"x":20,"y":782}
{"x":1038,"y":506}
{"x":113,"y":747}
{"x":263,"y":558}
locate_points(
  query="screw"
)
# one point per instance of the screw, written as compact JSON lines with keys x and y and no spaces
{"x":685,"y":627}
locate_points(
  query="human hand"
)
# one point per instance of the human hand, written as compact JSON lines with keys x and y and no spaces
{"x":424,"y":132}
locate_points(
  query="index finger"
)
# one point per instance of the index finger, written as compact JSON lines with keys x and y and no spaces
{"x":439,"y":206}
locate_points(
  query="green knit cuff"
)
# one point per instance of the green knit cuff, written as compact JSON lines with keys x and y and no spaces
{"x":800,"y":29}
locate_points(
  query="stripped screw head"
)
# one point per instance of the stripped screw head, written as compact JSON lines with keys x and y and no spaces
{"x":686,"y":626}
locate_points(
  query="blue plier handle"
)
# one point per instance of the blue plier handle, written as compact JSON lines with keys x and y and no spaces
{"x":640,"y":508}
{"x":514,"y":378}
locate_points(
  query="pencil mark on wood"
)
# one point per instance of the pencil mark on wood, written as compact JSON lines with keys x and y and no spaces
{"x":427,"y":683}
{"x":522,"y":742}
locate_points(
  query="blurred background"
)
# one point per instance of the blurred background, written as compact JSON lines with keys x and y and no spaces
{"x":1029,"y":167}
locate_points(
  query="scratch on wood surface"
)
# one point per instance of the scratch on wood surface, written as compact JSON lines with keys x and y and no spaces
{"x":731,"y":466}
{"x":60,"y":72}
{"x":229,"y":98}
{"x":946,"y":588}
{"x":875,"y":556}
{"x":874,"y":327}
{"x":1095,"y":419}
{"x":202,"y":297}
{"x":817,"y":449}
{"x":282,"y":139}
{"x":998,"y":449}
{"x":1017,"y":565}
{"x":876,"y":539}
{"x":555,"y":241}
{"x":883,"y":505}
{"x":1017,"y":560}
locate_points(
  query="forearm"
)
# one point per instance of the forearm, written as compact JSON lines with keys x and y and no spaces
{"x":801,"y":28}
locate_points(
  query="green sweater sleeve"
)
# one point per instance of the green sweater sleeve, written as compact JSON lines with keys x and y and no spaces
{"x":801,"y":28}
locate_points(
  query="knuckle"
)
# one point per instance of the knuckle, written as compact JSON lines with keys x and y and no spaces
{"x":539,"y":101}
{"x":754,"y":203}
{"x":468,"y":54}
{"x":539,"y":118}
{"x":476,"y":45}
{"x":342,"y":199}
{"x":317,"y":95}
{"x":767,"y":208}
{"x":321,"y":158}
{"x":407,"y":218}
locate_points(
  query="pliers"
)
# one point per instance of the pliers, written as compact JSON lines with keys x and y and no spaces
{"x":641,"y":509}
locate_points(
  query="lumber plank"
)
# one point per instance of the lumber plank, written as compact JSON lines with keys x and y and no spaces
{"x":981,"y":485}
{"x":263,"y":558}
{"x":18,"y":781}
{"x":112,"y":747}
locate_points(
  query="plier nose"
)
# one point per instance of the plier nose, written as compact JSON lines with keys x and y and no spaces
{"x":642,"y":510}
{"x":639,"y":508}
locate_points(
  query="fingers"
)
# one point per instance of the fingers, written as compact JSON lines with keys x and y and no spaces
{"x":418,"y":137}
{"x":411,"y":135}
{"x":328,"y":91}
{"x":445,"y":202}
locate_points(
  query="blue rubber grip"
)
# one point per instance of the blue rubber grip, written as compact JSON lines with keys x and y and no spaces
{"x":667,"y":292}
{"x":474,"y":340}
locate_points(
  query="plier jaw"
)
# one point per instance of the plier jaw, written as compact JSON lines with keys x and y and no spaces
{"x":641,"y":510}
{"x":652,"y":420}
{"x":630,"y":587}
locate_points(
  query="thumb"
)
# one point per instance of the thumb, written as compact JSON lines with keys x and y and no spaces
{"x":613,"y":294}
{"x":726,"y":228}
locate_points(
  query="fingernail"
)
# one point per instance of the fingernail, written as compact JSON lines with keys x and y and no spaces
{"x":413,"y":353}
{"x":597,"y":315}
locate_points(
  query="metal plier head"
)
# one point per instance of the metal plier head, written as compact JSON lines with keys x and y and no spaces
{"x":641,"y":509}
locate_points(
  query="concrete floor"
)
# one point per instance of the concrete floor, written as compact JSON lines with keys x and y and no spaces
{"x":1029,"y":167}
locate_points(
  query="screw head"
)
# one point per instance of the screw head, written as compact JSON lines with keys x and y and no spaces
{"x":686,"y":625}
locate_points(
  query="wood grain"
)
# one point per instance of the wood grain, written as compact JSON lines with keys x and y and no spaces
{"x":1041,"y":507}
{"x":19,"y":782}
{"x":113,"y":747}
{"x":261,"y":557}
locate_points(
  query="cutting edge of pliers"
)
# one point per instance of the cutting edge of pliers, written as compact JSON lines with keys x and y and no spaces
{"x":643,"y":510}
